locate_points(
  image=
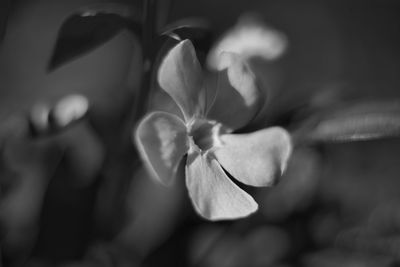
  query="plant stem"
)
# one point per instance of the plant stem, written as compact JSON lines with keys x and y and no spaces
{"x":148,"y":39}
{"x":4,"y":13}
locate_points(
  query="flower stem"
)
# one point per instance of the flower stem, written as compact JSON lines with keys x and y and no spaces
{"x":4,"y":14}
{"x":149,"y":33}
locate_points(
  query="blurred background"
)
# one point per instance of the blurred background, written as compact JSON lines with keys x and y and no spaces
{"x":76,"y":198}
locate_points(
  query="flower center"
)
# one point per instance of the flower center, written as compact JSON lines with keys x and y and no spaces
{"x":206,"y":133}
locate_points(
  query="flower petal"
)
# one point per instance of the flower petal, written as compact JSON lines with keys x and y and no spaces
{"x":161,"y":139}
{"x":258,"y":158}
{"x":214,"y":195}
{"x":249,"y":38}
{"x":238,"y":98}
{"x":180,"y":75}
{"x":69,"y":109}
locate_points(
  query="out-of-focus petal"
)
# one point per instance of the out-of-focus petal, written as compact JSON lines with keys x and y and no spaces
{"x":238,"y":97}
{"x":258,"y":158}
{"x":214,"y":195}
{"x":180,"y":75}
{"x":249,"y":38}
{"x":70,"y":109}
{"x":162,"y":142}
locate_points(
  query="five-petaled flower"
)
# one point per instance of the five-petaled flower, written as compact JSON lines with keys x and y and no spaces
{"x":213,"y":106}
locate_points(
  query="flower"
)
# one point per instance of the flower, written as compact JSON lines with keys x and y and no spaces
{"x":250,"y":37}
{"x":213,"y":106}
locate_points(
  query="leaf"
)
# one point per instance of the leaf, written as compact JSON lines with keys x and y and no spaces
{"x":89,"y":28}
{"x":357,"y":122}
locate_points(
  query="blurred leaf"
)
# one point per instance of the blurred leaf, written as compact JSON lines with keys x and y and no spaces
{"x":356,"y":122}
{"x":91,"y":27}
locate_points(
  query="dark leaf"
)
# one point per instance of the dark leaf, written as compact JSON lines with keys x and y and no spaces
{"x":356,"y":122}
{"x":91,"y":27}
